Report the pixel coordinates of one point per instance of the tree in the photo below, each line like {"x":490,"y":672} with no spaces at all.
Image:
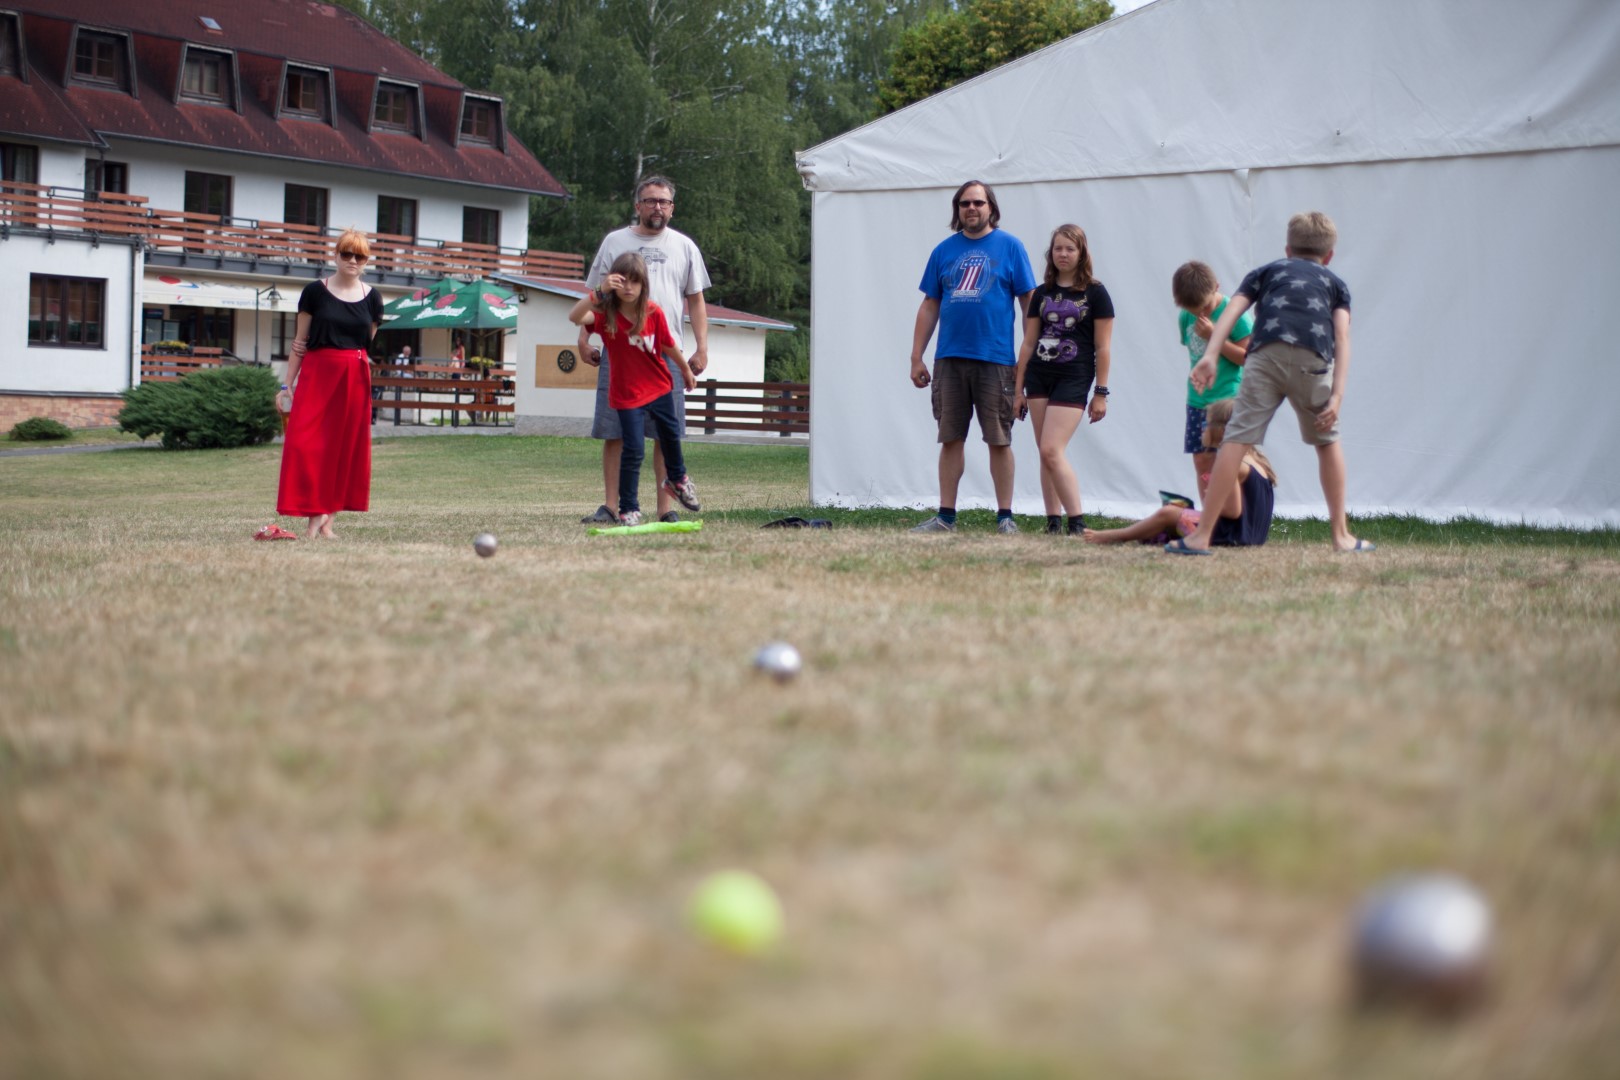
{"x":952,"y":47}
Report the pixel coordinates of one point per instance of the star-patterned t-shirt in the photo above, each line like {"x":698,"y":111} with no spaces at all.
{"x":1294,"y":301}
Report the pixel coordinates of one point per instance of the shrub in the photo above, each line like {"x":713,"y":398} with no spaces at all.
{"x":223,"y":407}
{"x":40,"y":429}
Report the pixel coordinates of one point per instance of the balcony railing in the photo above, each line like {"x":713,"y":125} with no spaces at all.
{"x":35,"y":206}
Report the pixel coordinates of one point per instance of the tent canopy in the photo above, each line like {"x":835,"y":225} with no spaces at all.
{"x":1467,"y":152}
{"x":1188,"y":86}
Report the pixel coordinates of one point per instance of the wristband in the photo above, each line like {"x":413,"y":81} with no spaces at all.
{"x":284,"y":386}
{"x":1100,"y":391}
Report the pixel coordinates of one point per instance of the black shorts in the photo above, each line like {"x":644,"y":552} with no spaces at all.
{"x":1061,"y":384}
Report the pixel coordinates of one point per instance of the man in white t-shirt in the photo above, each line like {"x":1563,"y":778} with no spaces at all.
{"x":676,"y":279}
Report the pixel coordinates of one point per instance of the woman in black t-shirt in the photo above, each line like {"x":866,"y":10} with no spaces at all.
{"x":326,"y":459}
{"x":1068,"y":338}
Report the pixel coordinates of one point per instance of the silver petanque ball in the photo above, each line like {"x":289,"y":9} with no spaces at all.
{"x":779,"y":660}
{"x":485,"y":544}
{"x":1423,"y":941}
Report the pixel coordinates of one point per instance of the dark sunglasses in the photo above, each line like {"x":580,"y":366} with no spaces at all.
{"x":965,"y":203}
{"x":355,"y":255}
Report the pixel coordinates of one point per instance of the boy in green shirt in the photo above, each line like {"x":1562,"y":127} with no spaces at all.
{"x":1198,"y":295}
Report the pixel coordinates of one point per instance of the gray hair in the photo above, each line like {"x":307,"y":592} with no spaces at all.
{"x":654,"y":181}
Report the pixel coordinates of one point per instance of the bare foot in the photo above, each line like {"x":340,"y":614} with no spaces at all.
{"x":314,"y":527}
{"x":326,"y":527}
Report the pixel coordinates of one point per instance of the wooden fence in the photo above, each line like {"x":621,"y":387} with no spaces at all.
{"x":768,"y":408}
{"x":37,"y":206}
{"x":165,"y":365}
{"x":459,"y":393}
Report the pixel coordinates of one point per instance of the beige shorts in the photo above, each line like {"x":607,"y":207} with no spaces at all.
{"x":1278,"y":372}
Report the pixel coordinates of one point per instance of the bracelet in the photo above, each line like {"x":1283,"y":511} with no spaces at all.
{"x":1100,"y":391}
{"x":284,"y":386}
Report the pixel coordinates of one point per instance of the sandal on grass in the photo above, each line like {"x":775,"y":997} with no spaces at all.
{"x":274,"y":532}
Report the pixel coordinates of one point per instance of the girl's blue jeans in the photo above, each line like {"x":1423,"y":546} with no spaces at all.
{"x":633,"y":425}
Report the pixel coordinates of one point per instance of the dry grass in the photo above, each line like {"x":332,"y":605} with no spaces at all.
{"x":378,"y":807}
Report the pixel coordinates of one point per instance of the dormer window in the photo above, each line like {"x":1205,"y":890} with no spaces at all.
{"x":397,"y":109}
{"x":101,"y":59}
{"x":307,"y":94}
{"x":10,"y":47}
{"x":481,"y":121}
{"x":207,"y":77}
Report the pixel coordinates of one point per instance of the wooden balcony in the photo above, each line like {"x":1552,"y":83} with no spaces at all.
{"x":251,"y":245}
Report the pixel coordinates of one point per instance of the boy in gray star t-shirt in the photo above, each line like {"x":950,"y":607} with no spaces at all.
{"x":1300,"y":352}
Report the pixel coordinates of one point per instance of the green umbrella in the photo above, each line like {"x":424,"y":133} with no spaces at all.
{"x":460,"y":305}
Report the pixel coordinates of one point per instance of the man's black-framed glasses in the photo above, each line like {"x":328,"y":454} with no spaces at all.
{"x":666,"y":203}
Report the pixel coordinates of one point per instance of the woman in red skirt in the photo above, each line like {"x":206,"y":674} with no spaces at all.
{"x":326,"y":459}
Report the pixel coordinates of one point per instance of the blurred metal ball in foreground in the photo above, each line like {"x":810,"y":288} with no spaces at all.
{"x":779,"y":660}
{"x":485,"y":544}
{"x":1423,"y":941}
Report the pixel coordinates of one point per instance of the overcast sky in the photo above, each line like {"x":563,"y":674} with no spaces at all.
{"x":1122,"y":6}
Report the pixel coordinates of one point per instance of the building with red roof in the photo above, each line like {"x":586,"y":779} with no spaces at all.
{"x":162,"y":162}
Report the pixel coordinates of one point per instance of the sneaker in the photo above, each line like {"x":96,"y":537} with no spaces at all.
{"x":935,"y":524}
{"x":685,"y":493}
{"x":1006,"y":526}
{"x":603,"y":516}
{"x":1053,"y":528}
{"x":629,"y":517}
{"x":669,"y":517}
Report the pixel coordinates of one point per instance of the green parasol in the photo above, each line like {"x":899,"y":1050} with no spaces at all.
{"x":451,"y":304}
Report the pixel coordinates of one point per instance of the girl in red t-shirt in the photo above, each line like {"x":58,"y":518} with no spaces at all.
{"x":635,"y":333}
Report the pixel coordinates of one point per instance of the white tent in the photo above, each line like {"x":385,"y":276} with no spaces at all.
{"x":1468,"y":151}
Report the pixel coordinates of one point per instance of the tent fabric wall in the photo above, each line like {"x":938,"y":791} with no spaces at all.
{"x":1480,"y":381}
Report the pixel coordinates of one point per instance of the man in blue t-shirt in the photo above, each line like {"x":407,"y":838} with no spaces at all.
{"x":977,"y":281}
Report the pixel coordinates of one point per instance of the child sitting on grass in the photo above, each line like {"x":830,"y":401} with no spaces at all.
{"x":1244,"y":520}
{"x":635,"y":333}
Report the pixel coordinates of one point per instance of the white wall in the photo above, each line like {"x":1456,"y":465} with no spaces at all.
{"x":736,"y":354}
{"x":52,"y":369}
{"x":259,"y":189}
{"x":1480,"y":380}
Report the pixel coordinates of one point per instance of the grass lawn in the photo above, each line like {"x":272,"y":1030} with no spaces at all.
{"x":378,"y":807}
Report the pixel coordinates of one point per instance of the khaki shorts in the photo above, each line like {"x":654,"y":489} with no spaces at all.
{"x":961,"y":386}
{"x":1278,"y":372}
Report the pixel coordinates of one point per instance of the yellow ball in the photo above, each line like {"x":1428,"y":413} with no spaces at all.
{"x":737,"y":911}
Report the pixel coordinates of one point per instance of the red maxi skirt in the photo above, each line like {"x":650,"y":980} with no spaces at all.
{"x":326,"y":459}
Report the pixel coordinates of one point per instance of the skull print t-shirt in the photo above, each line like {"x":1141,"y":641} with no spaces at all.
{"x":1068,"y":318}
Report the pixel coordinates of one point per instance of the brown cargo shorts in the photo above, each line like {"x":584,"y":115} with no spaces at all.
{"x":961,"y":386}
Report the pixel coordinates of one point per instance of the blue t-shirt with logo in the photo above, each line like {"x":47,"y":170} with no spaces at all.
{"x":1294,"y":301}
{"x":976,"y":283}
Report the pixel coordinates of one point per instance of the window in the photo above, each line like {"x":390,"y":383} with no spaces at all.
{"x":480,"y":121}
{"x":19,"y":162}
{"x":395,"y":109}
{"x":210,"y":328}
{"x":305,"y":206}
{"x":101,"y":59}
{"x":207,"y":76}
{"x":480,"y":226}
{"x":66,"y":312}
{"x":208,"y":194}
{"x":10,"y":49}
{"x":283,"y":328}
{"x":305,"y":94}
{"x":110,"y":176}
{"x":396,"y":217}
